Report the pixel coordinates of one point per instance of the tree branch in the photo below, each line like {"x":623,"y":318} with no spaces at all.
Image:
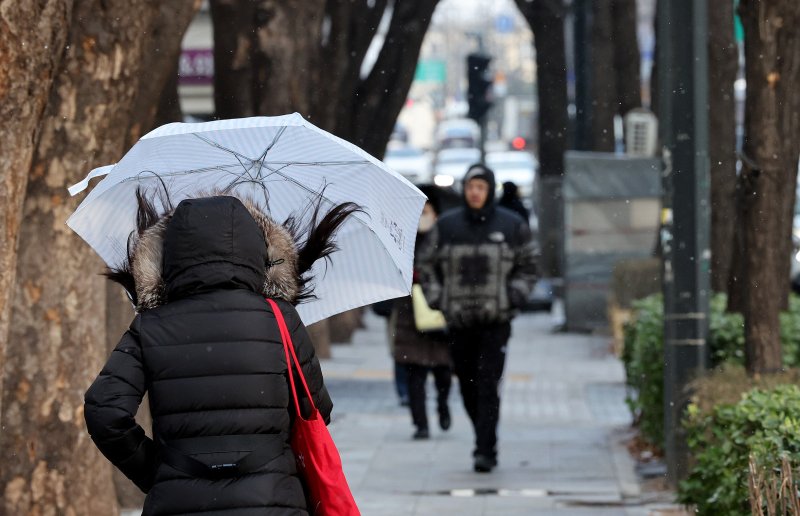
{"x":383,"y":92}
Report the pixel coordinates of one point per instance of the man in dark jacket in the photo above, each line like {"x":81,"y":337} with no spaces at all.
{"x":479,"y":269}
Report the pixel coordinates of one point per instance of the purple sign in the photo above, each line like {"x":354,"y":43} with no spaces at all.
{"x":196,"y":66}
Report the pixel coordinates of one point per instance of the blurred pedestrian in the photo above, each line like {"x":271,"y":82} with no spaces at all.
{"x":385,"y":309}
{"x":479,"y":269}
{"x":511,"y":201}
{"x":422,"y":352}
{"x":206,"y":347}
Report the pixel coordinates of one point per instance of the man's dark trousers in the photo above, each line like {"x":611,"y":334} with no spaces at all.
{"x":479,"y":355}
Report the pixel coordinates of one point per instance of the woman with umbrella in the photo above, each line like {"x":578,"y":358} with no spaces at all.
{"x":205,"y":344}
{"x":207,"y":349}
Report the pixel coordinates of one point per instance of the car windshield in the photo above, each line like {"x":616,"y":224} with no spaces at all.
{"x":405,"y":152}
{"x":510,"y":160}
{"x":459,"y":156}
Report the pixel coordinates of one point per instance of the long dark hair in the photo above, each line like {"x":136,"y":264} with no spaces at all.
{"x":147,"y":216}
{"x":318,"y":239}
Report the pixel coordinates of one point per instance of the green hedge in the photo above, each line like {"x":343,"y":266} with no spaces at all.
{"x":644,"y":351}
{"x":643,"y":356}
{"x":764,"y":423}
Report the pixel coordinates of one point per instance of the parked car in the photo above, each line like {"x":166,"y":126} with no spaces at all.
{"x":519,"y":167}
{"x":452,"y":164}
{"x":458,"y":132}
{"x":410,"y":162}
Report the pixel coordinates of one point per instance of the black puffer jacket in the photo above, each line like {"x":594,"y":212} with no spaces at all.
{"x":478,"y":266}
{"x":212,"y":361}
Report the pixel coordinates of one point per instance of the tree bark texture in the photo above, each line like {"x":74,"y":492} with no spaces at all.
{"x":723,"y":58}
{"x":57,"y":340}
{"x":169,"y":103}
{"x":234,"y":41}
{"x":604,"y":80}
{"x":546,"y":20}
{"x":287,"y":33}
{"x":352,"y":27}
{"x":627,"y":58}
{"x":380,"y":97}
{"x":26,"y":75}
{"x":161,"y":52}
{"x":280,"y":57}
{"x":265,"y":55}
{"x":771,"y":148}
{"x":616,"y":80}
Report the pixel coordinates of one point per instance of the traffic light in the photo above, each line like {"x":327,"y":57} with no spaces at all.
{"x":480,"y":83}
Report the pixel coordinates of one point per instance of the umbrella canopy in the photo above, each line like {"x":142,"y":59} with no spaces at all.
{"x":286,"y":162}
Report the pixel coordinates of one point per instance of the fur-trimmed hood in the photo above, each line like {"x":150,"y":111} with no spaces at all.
{"x":276,"y":269}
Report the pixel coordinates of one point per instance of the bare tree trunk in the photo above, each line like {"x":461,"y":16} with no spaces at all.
{"x":627,"y":58}
{"x":737,"y":280}
{"x":234,"y":41}
{"x":25,"y":81}
{"x":57,"y":340}
{"x":352,"y":27}
{"x":288,"y":33}
{"x":616,"y":80}
{"x":547,"y":22}
{"x":381,"y":96}
{"x":604,"y":76}
{"x":723,"y":60}
{"x":169,"y":103}
{"x":771,"y":148}
{"x":161,"y":52}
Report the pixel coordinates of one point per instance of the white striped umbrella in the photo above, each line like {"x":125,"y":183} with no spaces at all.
{"x":287,"y":160}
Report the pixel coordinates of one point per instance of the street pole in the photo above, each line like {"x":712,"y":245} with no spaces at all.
{"x":583,"y":73}
{"x":482,"y":121}
{"x":683,"y":107}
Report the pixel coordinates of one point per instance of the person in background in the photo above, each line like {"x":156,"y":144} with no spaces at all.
{"x":422,"y":353}
{"x":479,"y":268}
{"x":511,"y":201}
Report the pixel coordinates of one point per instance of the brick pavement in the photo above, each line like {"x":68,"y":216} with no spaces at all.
{"x":562,"y":423}
{"x":562,"y":420}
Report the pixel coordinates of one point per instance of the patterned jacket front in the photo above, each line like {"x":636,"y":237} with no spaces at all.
{"x":478,"y":267}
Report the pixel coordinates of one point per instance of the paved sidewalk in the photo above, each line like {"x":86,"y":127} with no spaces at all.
{"x":562,"y":420}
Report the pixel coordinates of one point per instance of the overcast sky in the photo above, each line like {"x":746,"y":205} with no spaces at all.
{"x":472,"y":10}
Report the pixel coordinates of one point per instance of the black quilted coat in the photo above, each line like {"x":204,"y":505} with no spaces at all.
{"x":206,"y":348}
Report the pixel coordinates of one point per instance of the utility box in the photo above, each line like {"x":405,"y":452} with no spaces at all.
{"x":641,"y":133}
{"x":611,"y":213}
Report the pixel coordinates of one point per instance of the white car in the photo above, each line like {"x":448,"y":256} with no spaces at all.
{"x":519,"y":167}
{"x":410,"y":162}
{"x":452,"y":165}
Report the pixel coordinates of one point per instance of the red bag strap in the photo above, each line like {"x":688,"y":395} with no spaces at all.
{"x":288,"y":348}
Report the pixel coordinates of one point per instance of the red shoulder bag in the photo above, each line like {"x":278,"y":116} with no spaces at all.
{"x":318,"y":460}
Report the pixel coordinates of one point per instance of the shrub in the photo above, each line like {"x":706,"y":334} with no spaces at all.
{"x":725,"y":333}
{"x":723,"y":435}
{"x":644,"y":350}
{"x":643,"y":357}
{"x":790,"y":333}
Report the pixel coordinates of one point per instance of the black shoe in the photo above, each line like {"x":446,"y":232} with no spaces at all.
{"x":484,"y":464}
{"x":444,"y":418}
{"x":421,"y":433}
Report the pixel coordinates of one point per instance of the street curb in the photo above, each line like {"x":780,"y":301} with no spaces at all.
{"x":624,"y":466}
